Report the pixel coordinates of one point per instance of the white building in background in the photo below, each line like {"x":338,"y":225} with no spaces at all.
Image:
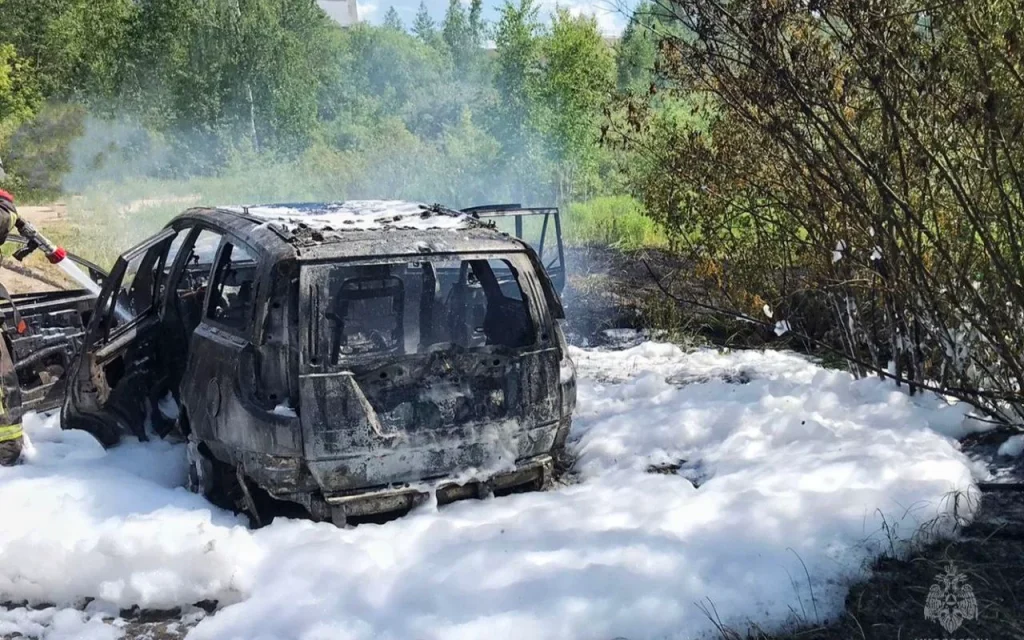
{"x":344,"y":12}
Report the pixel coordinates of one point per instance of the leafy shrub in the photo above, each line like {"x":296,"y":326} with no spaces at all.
{"x":617,"y":221}
{"x":865,"y":158}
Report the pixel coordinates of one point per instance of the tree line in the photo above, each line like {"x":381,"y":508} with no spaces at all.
{"x":178,"y":88}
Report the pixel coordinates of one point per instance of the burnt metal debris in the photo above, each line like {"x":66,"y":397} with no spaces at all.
{"x":54,"y":328}
{"x":339,"y":360}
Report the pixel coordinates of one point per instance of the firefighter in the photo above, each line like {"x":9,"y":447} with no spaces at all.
{"x":11,"y":434}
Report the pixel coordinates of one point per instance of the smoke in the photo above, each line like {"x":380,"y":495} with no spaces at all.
{"x":114,"y":150}
{"x":393,"y":122}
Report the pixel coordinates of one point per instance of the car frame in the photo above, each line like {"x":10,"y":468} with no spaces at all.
{"x":43,"y":332}
{"x":273,"y":429}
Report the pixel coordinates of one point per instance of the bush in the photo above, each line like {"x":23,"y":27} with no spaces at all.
{"x":865,"y":158}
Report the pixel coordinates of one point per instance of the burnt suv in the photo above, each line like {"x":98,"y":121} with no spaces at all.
{"x":349,"y":358}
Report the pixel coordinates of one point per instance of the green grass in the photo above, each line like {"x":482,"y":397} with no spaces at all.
{"x":616,"y":221}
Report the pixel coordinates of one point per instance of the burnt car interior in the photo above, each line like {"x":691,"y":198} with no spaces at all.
{"x":191,"y":286}
{"x":55,"y":318}
{"x":119,"y":338}
{"x":232,"y":298}
{"x":406,"y":308}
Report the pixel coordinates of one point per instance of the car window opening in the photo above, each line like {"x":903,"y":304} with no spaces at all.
{"x":232,"y":299}
{"x":418,"y":307}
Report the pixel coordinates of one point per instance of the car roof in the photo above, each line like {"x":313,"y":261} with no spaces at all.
{"x":316,"y":231}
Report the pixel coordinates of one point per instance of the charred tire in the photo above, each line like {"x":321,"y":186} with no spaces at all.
{"x":565,"y":460}
{"x":210,"y":477}
{"x":129,"y":402}
{"x":10,"y":452}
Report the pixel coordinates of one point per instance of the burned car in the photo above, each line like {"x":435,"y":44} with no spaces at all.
{"x":349,"y":359}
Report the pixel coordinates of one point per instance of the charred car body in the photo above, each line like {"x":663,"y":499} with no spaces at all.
{"x":342,"y":357}
{"x":44,"y":332}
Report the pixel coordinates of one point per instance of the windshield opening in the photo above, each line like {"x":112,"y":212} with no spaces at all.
{"x":406,"y":308}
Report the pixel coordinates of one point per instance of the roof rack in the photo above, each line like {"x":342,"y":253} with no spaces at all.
{"x":491,"y":208}
{"x":501,"y":210}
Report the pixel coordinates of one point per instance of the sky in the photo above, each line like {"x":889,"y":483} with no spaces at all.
{"x":611,"y":14}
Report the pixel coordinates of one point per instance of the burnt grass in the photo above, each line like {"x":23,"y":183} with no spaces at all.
{"x":609,"y":289}
{"x":891,"y":604}
{"x":612,"y":289}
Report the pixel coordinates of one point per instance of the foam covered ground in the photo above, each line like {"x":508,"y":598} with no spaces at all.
{"x":776,"y":479}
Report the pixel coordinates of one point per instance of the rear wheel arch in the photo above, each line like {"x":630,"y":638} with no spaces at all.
{"x":102,"y":426}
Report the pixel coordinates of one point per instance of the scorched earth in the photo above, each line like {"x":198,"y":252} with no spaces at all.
{"x":709,"y":488}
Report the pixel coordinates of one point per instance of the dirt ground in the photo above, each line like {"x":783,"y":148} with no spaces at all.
{"x":45,"y":215}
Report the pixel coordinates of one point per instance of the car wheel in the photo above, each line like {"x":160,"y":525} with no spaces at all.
{"x":216,"y":481}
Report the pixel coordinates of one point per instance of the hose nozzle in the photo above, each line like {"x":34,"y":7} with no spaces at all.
{"x":36,"y":240}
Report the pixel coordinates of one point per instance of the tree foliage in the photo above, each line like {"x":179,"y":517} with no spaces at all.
{"x":456,"y":35}
{"x":211,"y":82}
{"x":578,"y":79}
{"x":74,"y":46}
{"x":517,"y":81}
{"x":856,"y":158}
{"x":392,"y":21}
{"x":18,"y":94}
{"x":477,"y":26}
{"x":424,"y":27}
{"x":638,"y":49}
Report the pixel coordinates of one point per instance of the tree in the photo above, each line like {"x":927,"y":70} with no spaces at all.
{"x":392,"y":21}
{"x":424,"y":27}
{"x":19,"y":100}
{"x":456,"y":34}
{"x":19,"y":97}
{"x":856,"y":166}
{"x":37,"y":153}
{"x":470,"y":163}
{"x":515,"y":118}
{"x":212,"y":72}
{"x":76,"y":46}
{"x":477,"y":28}
{"x":578,"y":78}
{"x":638,"y":50}
{"x":394,"y":75}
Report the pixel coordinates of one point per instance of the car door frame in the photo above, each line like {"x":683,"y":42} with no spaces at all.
{"x":197,"y":227}
{"x":555,"y":268}
{"x":216,"y":392}
{"x":103,"y":343}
